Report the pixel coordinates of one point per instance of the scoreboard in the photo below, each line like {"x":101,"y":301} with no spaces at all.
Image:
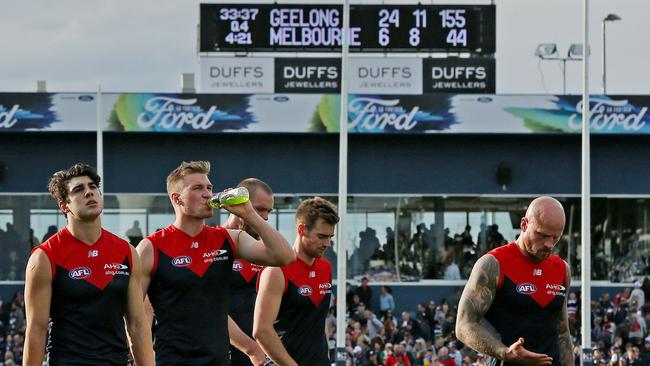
{"x":373,"y":28}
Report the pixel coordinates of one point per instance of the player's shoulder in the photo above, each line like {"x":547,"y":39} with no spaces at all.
{"x":557,"y":260}
{"x":215,"y":229}
{"x":160,"y":234}
{"x":323,"y":263}
{"x":56,"y":241}
{"x":111,"y":238}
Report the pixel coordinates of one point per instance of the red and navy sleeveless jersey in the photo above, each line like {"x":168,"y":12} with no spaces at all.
{"x":529,"y":300}
{"x":89,"y":299}
{"x":305,"y":304}
{"x":242,"y":302}
{"x":189,"y":287}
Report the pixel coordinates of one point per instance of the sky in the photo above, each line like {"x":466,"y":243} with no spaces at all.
{"x":145,"y":45}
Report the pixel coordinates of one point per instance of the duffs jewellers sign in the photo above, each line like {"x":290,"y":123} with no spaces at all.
{"x":459,"y":75}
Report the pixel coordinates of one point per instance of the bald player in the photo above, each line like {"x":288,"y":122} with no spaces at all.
{"x":514,"y":306}
{"x":241,"y":302}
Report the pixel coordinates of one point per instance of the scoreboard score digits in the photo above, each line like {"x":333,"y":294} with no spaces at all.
{"x":373,"y":28}
{"x":443,"y":28}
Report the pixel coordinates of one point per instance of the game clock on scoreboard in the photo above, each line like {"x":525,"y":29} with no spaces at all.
{"x":373,"y":28}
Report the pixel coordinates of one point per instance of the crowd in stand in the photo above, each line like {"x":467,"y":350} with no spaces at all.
{"x":425,"y":336}
{"x":12,"y":331}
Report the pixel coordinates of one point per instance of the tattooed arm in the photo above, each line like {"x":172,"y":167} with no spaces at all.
{"x":566,"y":346}
{"x":475,"y":302}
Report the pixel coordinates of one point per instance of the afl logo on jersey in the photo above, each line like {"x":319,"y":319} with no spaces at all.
{"x":305,"y":290}
{"x":80,"y":273}
{"x":526,"y":289}
{"x":237,"y":266}
{"x":182,"y":261}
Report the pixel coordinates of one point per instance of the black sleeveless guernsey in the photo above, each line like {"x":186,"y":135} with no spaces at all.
{"x":529,"y":300}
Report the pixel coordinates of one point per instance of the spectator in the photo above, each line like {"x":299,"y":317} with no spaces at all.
{"x":637,"y":294}
{"x":406,"y":324}
{"x":444,"y":359}
{"x":373,"y":324}
{"x":388,"y":350}
{"x":134,"y":234}
{"x":386,"y":301}
{"x":51,"y":230}
{"x":452,"y":271}
{"x":645,"y":354}
{"x":359,"y":357}
{"x":423,"y":319}
{"x":398,"y":357}
{"x":572,"y":305}
{"x":365,"y":292}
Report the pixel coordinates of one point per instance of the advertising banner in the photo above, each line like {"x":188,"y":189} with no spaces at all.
{"x":48,"y":112}
{"x":459,"y":75}
{"x":385,"y":75}
{"x":236,"y":75}
{"x":311,"y":112}
{"x":307,"y":75}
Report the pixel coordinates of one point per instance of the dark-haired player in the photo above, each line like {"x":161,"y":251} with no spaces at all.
{"x":86,"y":281}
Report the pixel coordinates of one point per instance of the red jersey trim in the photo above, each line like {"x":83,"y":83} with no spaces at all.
{"x":235,"y":250}
{"x":48,"y":254}
{"x":154,"y":266}
{"x":259,"y":276}
{"x":497,"y":253}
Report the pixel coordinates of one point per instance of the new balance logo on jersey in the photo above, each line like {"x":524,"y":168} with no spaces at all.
{"x":537,"y":272}
{"x":93,"y":253}
{"x":312,"y":274}
{"x":194,"y":245}
{"x":182,"y":261}
{"x":305,"y":290}
{"x":526,"y":289}
{"x":215,"y":255}
{"x":79,"y":273}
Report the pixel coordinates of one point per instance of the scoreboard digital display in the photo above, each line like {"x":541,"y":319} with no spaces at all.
{"x":424,"y":28}
{"x":373,"y":28}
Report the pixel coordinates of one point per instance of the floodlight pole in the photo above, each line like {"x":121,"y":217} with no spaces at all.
{"x":563,"y":75}
{"x":585,"y":232}
{"x":604,"y":40}
{"x":563,"y":60}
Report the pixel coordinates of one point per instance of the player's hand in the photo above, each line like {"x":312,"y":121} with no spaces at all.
{"x":243,"y":210}
{"x":516,"y":353}
{"x":257,"y":356}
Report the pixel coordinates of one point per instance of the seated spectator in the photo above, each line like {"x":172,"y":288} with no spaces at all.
{"x":388,"y":349}
{"x":444,"y":359}
{"x":398,"y":357}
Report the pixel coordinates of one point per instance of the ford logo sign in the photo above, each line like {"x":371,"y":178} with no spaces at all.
{"x":526,"y":289}
{"x":281,"y":98}
{"x":484,"y":99}
{"x":86,"y":98}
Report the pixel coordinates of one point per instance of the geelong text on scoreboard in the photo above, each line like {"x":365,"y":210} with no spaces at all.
{"x":373,"y":28}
